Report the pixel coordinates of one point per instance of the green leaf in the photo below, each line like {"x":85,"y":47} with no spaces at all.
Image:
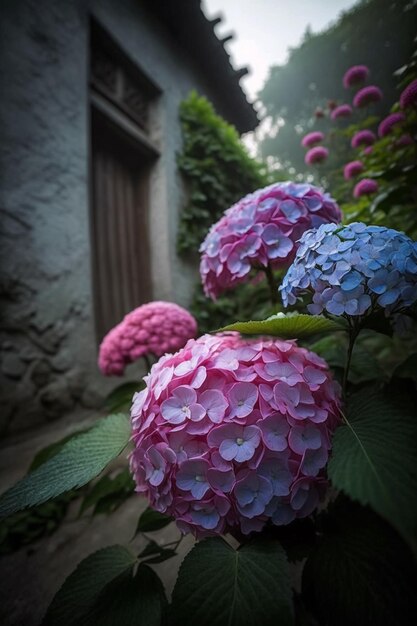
{"x":374,"y":459}
{"x":154,"y":553}
{"x":49,"y":451}
{"x":109,"y":493}
{"x":121,"y":397}
{"x":79,"y":460}
{"x":290,"y":326}
{"x":130,"y":600}
{"x":152,"y":520}
{"x":407,"y":369}
{"x":218,"y":585}
{"x":82,"y":588}
{"x":361,"y":572}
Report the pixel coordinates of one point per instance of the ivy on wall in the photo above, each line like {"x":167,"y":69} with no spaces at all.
{"x":216,"y":167}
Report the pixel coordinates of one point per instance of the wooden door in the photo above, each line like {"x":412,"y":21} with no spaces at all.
{"x":119,"y":225}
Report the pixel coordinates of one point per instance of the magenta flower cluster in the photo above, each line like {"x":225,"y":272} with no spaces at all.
{"x":311,"y":139}
{"x":341,"y":111}
{"x":229,"y":434}
{"x":352,"y":169}
{"x":363,"y":138}
{"x":366,"y":96}
{"x":355,"y":75}
{"x":365,"y":187}
{"x":154,"y":328}
{"x":385,"y":127}
{"x":261,"y":230}
{"x":316,"y":155}
{"x":408,"y":96}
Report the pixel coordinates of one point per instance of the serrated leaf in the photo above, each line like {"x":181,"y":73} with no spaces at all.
{"x":218,"y":585}
{"x":360,"y":572}
{"x":82,"y":588}
{"x":374,"y":459}
{"x":151,"y":520}
{"x":130,"y":600}
{"x":50,"y":451}
{"x":289,"y":326}
{"x":79,"y":460}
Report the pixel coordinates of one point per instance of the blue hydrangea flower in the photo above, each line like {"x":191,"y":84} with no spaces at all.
{"x":353,"y":270}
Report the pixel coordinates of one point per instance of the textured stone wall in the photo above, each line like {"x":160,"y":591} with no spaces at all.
{"x":48,"y":347}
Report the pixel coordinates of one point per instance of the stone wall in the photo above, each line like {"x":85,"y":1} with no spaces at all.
{"x":48,"y":347}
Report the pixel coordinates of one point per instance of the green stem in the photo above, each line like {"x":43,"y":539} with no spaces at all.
{"x":271,"y":283}
{"x":353,"y":333}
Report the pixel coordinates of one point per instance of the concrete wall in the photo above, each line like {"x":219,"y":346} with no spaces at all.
{"x":48,"y":348}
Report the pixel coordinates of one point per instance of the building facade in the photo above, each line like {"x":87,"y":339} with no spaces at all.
{"x":90,"y":190}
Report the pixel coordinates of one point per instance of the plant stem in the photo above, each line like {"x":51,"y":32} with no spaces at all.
{"x":353,"y":333}
{"x":147,"y":361}
{"x":272,"y":286}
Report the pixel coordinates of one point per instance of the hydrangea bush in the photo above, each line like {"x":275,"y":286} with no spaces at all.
{"x":229,"y":434}
{"x":149,"y":330}
{"x":261,"y":232}
{"x":267,"y":442}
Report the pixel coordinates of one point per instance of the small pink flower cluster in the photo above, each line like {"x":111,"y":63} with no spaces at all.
{"x":261,"y":230}
{"x":385,"y":127}
{"x":365,"y":187}
{"x":363,"y":138}
{"x":342,"y":111}
{"x":316,"y":155}
{"x":229,"y":434}
{"x":311,"y":139}
{"x":153,"y":328}
{"x":355,"y":75}
{"x":367,"y":95}
{"x":408,"y":96}
{"x":352,"y":169}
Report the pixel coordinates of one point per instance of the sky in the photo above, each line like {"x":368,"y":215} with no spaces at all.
{"x":265,"y":29}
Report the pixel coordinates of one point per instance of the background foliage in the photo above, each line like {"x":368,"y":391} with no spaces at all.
{"x":366,"y":34}
{"x":216,"y":167}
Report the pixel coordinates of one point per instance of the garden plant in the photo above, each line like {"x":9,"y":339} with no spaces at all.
{"x":285,"y":445}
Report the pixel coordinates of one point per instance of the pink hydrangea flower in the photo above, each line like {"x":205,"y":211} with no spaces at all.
{"x":352,"y":169}
{"x":367,"y":95}
{"x":363,"y":138}
{"x":408,"y":96}
{"x":343,"y":110}
{"x":311,"y":139}
{"x":231,"y":433}
{"x":404,"y":140}
{"x":388,"y":123}
{"x":316,"y":155}
{"x":153,"y":328}
{"x":365,"y":187}
{"x":355,"y":75}
{"x":261,"y":230}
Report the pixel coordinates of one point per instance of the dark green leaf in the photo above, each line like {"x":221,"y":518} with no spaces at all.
{"x":407,"y":369}
{"x":130,"y":600}
{"x":121,"y":397}
{"x":360,"y":573}
{"x":152,"y":520}
{"x":79,"y":460}
{"x":82,"y":588}
{"x":374,"y":459}
{"x":290,"y":326}
{"x":153,"y":553}
{"x":218,"y":585}
{"x":109,"y":493}
{"x":47,"y":453}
